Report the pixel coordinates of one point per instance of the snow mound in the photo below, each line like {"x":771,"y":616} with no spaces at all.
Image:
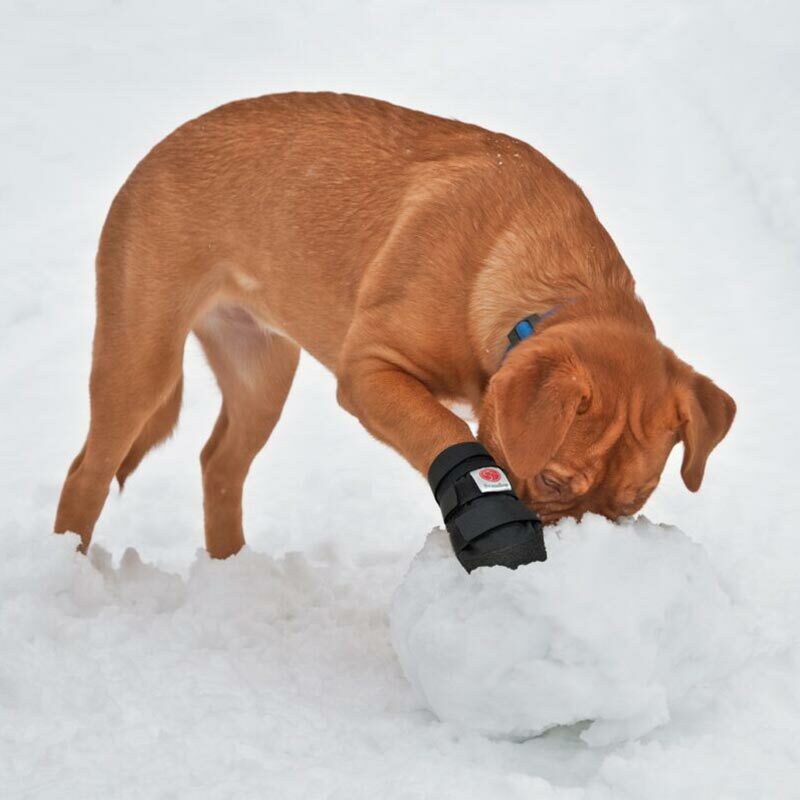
{"x":624,"y":626}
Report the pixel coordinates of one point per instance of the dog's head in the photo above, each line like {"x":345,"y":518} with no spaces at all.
{"x":585,"y":414}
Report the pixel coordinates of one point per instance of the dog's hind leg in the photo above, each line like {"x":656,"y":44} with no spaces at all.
{"x":134,"y":387}
{"x":121,"y":407}
{"x":124,"y":396}
{"x":156,"y":430}
{"x":254,"y":369}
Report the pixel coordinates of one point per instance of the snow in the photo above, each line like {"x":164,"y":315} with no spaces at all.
{"x":146,"y":670}
{"x":625,"y":626}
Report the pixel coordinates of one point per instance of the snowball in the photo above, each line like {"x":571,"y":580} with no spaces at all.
{"x":624,"y":626}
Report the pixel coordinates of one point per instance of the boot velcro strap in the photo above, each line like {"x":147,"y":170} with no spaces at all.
{"x":487,"y":513}
{"x":463,"y":491}
{"x":449,"y":501}
{"x":464,"y":456}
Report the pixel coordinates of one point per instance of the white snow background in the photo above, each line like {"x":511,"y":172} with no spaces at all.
{"x":148,"y":671}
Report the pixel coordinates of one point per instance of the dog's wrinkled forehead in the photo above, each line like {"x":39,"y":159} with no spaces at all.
{"x":622,"y":440}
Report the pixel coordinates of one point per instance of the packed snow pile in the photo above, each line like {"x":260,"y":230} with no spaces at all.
{"x":624,"y":626}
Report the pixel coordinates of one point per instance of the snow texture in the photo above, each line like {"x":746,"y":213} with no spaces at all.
{"x":148,"y":671}
{"x":624,"y":626}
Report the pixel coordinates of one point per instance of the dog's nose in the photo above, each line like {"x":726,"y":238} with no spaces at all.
{"x":580,"y":484}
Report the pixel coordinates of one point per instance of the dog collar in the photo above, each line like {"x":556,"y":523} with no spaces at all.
{"x":525,"y":328}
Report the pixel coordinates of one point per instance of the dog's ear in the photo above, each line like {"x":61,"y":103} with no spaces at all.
{"x":536,"y":401}
{"x":705,"y":414}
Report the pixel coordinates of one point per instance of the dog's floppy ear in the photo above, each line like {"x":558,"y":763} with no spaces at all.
{"x":536,"y":401}
{"x":705,"y":414}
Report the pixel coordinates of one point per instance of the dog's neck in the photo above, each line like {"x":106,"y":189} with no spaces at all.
{"x":491,"y":329}
{"x":573,"y":266}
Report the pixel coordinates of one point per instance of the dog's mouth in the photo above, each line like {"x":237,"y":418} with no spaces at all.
{"x":549,"y":511}
{"x":549,"y":516}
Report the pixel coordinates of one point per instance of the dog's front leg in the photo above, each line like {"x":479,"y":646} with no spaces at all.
{"x":400,"y":410}
{"x":488,"y":524}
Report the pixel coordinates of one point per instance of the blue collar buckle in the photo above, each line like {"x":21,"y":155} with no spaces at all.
{"x":525,"y":328}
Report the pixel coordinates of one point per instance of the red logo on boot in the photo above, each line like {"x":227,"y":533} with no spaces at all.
{"x":490,"y":475}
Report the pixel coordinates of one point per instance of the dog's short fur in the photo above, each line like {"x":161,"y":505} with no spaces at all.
{"x":398,"y":249}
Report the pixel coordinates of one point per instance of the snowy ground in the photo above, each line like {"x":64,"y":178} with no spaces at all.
{"x":153,"y":672}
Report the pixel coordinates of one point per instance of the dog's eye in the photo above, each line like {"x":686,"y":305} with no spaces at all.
{"x":551,"y":482}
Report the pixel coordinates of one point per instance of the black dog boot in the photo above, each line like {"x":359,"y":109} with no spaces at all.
{"x":487,"y":523}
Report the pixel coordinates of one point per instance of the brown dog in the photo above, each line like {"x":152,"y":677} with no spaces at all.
{"x":398,"y":249}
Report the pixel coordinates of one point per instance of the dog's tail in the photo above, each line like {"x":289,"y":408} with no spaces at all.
{"x":155,"y":431}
